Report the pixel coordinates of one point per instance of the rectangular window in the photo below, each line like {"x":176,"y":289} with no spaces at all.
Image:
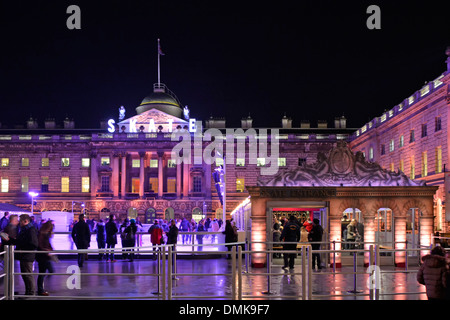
{"x":5,"y":162}
{"x":282,"y":162}
{"x":260,"y":162}
{"x":437,"y":124}
{"x":439,"y":159}
{"x":412,"y":137}
{"x":154,"y":185}
{"x":171,"y":163}
{"x":153,"y":163}
{"x":402,"y":165}
{"x":392,"y":167}
{"x":371,"y":153}
{"x":44,"y":184}
{"x":135,"y":185}
{"x":383,"y":151}
{"x":197,"y":184}
{"x":65,"y":162}
{"x":401,"y":141}
{"x":219,"y":162}
{"x":24,"y":184}
{"x":135,"y":163}
{"x":171,"y":185}
{"x":301,"y":161}
{"x":240,"y":185}
{"x":105,"y":161}
{"x":25,"y":162}
{"x":85,"y":184}
{"x":240,"y":162}
{"x":5,"y":185}
{"x":391,"y":145}
{"x":424,"y":130}
{"x":424,"y":164}
{"x":105,"y":184}
{"x":45,"y":162}
{"x":65,"y":184}
{"x":85,"y":162}
{"x":412,"y":173}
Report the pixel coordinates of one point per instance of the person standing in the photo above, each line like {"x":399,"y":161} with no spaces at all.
{"x":315,"y":236}
{"x":44,"y":259}
{"x":9,"y":233}
{"x":351,"y":234}
{"x":130,"y":238}
{"x":27,"y":239}
{"x":101,"y":237}
{"x":81,"y":235}
{"x":433,"y":274}
{"x":230,"y":235}
{"x":155,"y":236}
{"x":172,"y":235}
{"x":111,"y":237}
{"x":4,"y":221}
{"x":184,"y":227}
{"x":200,"y":228}
{"x":291,"y":233}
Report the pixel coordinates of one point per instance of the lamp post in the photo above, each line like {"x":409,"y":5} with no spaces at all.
{"x":32,"y":195}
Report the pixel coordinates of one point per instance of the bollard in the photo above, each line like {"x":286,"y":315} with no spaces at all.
{"x":233,"y":273}
{"x":164,"y":273}
{"x":158,"y":269}
{"x":169,"y":275}
{"x":239,"y":273}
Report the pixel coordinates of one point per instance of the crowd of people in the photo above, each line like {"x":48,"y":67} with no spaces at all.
{"x":290,"y":233}
{"x":25,"y":233}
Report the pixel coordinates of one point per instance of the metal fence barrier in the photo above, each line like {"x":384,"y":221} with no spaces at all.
{"x":167,"y":273}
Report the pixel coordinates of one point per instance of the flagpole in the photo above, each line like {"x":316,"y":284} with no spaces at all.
{"x":158,"y":65}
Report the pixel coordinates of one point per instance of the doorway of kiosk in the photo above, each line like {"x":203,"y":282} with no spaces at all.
{"x":305,"y":212}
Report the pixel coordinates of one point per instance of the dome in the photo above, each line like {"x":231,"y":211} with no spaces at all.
{"x":161,"y":99}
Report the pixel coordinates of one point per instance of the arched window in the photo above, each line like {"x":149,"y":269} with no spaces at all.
{"x":197,"y":214}
{"x":132,"y":213}
{"x":169,"y":214}
{"x":150,"y":216}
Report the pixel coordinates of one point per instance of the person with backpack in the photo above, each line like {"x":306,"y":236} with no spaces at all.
{"x":130,"y":238}
{"x":156,"y":234}
{"x":81,"y":235}
{"x":111,"y":237}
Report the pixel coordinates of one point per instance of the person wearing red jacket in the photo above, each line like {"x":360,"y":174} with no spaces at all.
{"x":155,"y":235}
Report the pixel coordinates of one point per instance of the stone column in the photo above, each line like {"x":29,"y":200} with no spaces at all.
{"x":369,"y":234}
{"x":141,"y":174}
{"x":115,"y":175}
{"x":258,"y":232}
{"x":160,"y":174}
{"x":179,"y":180}
{"x":123,"y":182}
{"x":399,"y":239}
{"x":208,"y":176}
{"x":186,"y":181}
{"x":426,"y":232}
{"x":94,"y":175}
{"x":335,"y":235}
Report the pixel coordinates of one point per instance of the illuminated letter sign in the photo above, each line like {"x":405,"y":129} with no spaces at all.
{"x":192,"y":127}
{"x":111,"y":123}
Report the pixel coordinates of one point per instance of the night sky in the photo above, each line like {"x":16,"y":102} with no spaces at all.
{"x":312,"y":60}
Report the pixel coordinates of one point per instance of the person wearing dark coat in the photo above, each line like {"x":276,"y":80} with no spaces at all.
{"x":230,"y":235}
{"x":291,"y":233}
{"x":81,"y":235}
{"x":101,"y":237}
{"x":172,"y":235}
{"x":44,"y":259}
{"x":130,"y":238}
{"x":433,"y":274}
{"x":111,"y":237}
{"x":27,"y":239}
{"x":314,"y":236}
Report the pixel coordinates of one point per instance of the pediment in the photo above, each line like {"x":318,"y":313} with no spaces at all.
{"x":339,"y":167}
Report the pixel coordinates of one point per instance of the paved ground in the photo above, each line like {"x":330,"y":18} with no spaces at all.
{"x":134,"y":280}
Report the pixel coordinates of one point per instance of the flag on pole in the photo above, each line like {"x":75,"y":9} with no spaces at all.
{"x":159,"y":49}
